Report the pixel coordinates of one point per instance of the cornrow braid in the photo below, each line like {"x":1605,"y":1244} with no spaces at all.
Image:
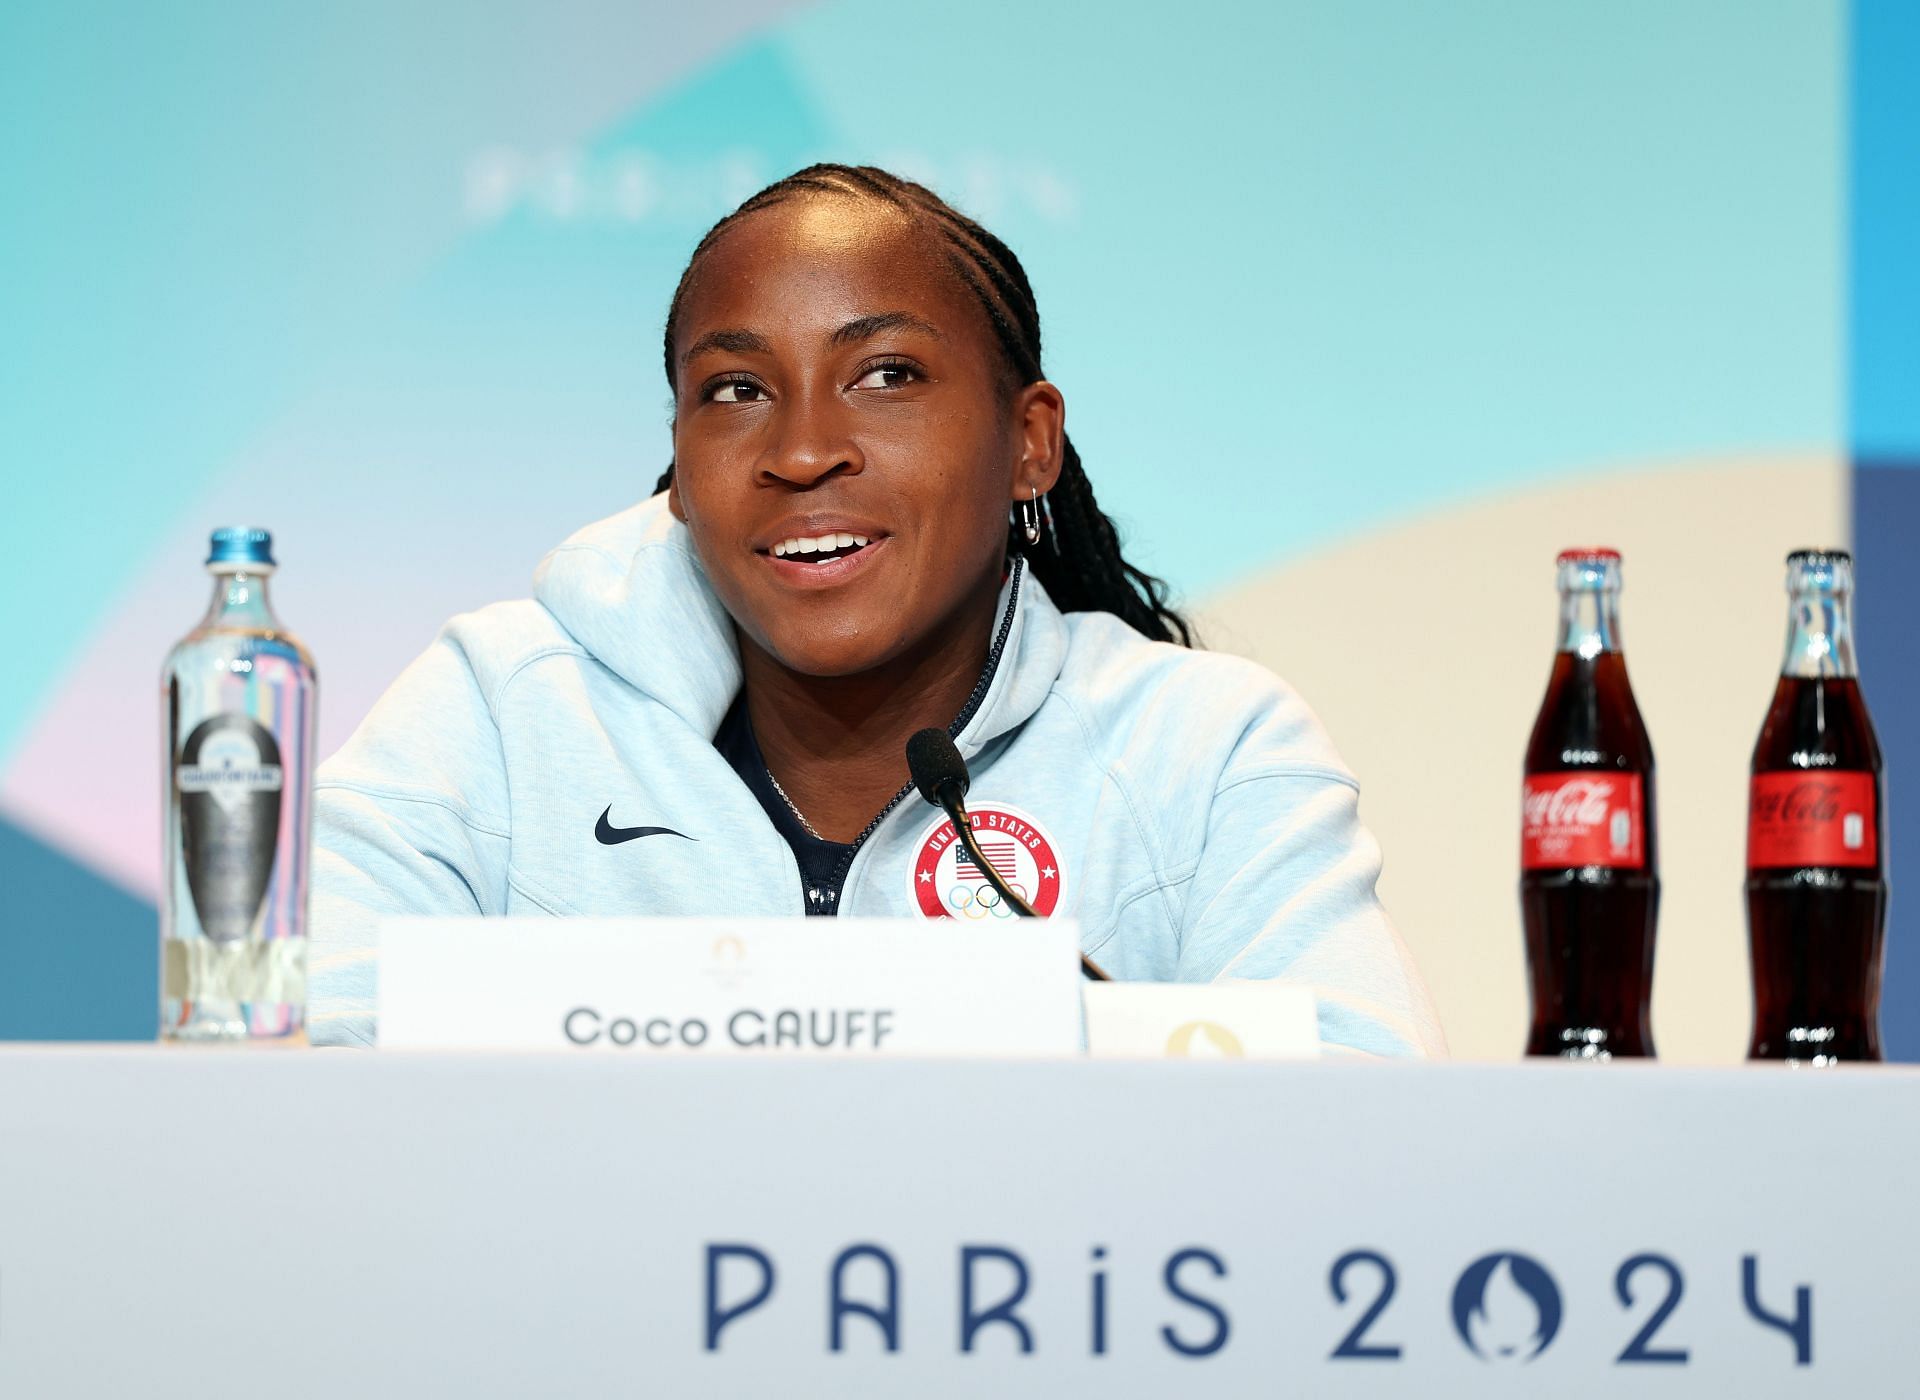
{"x":1078,"y":558}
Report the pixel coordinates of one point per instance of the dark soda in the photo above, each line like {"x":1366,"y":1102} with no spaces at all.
{"x":1816,"y":837}
{"x":1589,"y":883}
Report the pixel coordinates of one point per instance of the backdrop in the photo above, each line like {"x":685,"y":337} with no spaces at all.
{"x":1362,"y":310}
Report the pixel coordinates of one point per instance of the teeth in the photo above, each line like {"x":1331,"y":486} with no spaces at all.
{"x":802,"y":544}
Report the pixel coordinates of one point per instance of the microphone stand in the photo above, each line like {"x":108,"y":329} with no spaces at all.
{"x":956,"y":810}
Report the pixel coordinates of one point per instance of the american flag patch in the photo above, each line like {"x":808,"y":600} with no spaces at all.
{"x":1001,"y":855}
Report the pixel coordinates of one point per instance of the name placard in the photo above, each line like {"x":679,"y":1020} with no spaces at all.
{"x":1202,"y":1020}
{"x":730,"y":986}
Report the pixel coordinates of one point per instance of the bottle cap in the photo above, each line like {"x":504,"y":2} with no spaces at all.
{"x":1820,"y":571}
{"x":235,"y":545}
{"x":1588,"y":556}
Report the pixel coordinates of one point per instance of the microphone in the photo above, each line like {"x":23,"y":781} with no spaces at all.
{"x":940,"y":774}
{"x":937,"y":767}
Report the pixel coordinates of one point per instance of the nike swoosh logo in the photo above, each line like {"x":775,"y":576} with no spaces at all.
{"x":607,"y":834}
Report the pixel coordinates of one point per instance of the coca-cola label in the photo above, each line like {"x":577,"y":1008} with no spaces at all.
{"x":1582,"y":818}
{"x":1811,"y":818}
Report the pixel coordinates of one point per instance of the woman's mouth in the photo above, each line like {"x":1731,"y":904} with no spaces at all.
{"x":826,"y":558}
{"x":819,"y":548}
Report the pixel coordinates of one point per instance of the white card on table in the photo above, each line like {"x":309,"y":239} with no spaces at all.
{"x":731,"y":986}
{"x":1202,"y":1020}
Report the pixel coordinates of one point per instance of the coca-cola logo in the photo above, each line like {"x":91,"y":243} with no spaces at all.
{"x":1584,"y":802}
{"x":1809,"y":819}
{"x":1582,"y":818}
{"x":1809,"y":802}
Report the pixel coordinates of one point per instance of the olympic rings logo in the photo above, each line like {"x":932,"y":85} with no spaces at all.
{"x":982,"y":901}
{"x":945,"y":884}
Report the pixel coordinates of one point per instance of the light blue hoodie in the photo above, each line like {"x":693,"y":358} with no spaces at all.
{"x":1184,"y":806}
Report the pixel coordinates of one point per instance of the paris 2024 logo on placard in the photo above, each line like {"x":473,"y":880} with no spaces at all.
{"x":1506,"y":1307}
{"x":947,"y":884}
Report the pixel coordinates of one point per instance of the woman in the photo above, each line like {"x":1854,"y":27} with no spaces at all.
{"x":874,"y":523}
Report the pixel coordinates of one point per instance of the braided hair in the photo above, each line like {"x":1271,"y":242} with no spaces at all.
{"x":1078,"y":557}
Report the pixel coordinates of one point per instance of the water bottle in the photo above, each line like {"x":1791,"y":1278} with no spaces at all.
{"x":238,"y":698}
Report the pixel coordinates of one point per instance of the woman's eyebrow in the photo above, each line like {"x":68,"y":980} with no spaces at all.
{"x":868,"y":326}
{"x":737,"y":342}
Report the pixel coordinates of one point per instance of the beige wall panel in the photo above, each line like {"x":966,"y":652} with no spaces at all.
{"x":1425,"y":649}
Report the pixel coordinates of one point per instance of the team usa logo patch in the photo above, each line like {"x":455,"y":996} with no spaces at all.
{"x":946,"y":884}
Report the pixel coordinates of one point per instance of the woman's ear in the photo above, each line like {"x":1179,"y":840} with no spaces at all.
{"x":1040,"y":420}
{"x":673,"y":496}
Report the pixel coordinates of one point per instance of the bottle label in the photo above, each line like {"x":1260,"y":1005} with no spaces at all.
{"x":1811,"y":818}
{"x":1582,"y":818}
{"x":229,"y":781}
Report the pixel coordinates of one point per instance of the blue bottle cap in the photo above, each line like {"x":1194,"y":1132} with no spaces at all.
{"x":233,"y":545}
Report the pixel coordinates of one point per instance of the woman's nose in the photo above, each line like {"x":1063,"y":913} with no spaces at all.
{"x":813,"y":442}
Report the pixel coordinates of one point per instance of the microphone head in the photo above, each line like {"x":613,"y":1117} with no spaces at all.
{"x":934,"y":763}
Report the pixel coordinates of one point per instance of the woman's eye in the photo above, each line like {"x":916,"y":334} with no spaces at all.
{"x":887,"y":377}
{"x":735,"y":391}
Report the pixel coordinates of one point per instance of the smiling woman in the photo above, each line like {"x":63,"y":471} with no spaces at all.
{"x":874,"y":523}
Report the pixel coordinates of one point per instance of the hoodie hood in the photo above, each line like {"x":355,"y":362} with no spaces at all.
{"x":631,"y":590}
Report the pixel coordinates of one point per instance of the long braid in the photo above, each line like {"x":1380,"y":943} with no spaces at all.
{"x":1078,"y":558}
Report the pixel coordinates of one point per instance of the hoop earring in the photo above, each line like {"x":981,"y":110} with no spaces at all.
{"x":1030,"y":517}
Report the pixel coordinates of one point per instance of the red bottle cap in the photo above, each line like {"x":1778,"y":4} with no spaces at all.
{"x":1582,"y":556}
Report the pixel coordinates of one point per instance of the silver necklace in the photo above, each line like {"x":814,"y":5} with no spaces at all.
{"x":798,"y":815}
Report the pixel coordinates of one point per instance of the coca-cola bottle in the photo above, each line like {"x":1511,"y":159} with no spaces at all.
{"x":1589,"y":888}
{"x":1816,"y":839}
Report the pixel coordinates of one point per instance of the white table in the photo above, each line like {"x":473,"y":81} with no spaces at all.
{"x":182,"y":1222}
